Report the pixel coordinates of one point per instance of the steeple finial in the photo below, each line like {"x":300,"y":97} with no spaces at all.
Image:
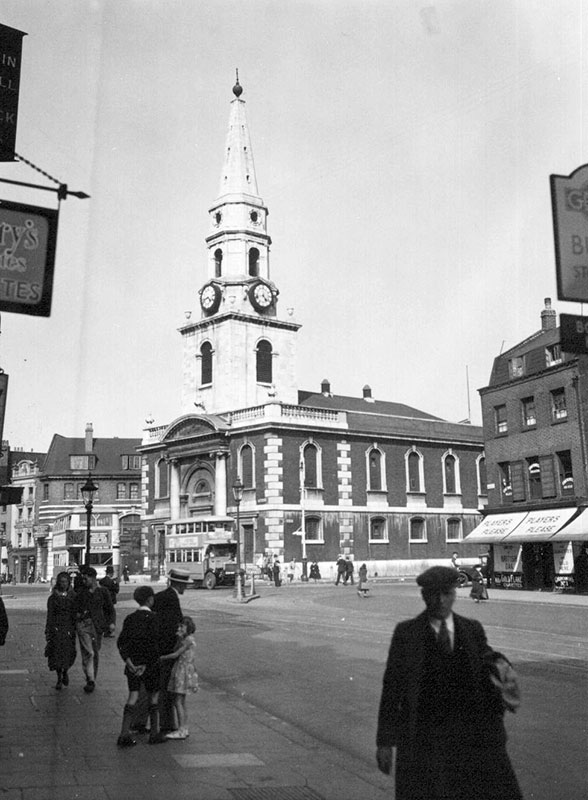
{"x":237,"y":88}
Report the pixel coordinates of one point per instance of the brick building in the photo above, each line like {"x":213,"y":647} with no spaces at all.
{"x":323,"y":474}
{"x":534,"y":418}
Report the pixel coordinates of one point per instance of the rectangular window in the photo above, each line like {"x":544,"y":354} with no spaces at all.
{"x":559,"y":409}
{"x":534,"y":478}
{"x":133,"y":491}
{"x":68,"y":491}
{"x":453,"y":530}
{"x":378,"y":530}
{"x":566,"y":475}
{"x":121,"y":491}
{"x":553,"y":355}
{"x":45,"y":491}
{"x":517,"y":471}
{"x":501,"y":423}
{"x":312,"y":529}
{"x":528,"y":411}
{"x":516,"y":367}
{"x":131,"y":462}
{"x":417,"y":530}
{"x":82,"y":462}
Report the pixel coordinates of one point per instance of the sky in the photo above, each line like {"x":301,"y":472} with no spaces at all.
{"x":403,"y":149}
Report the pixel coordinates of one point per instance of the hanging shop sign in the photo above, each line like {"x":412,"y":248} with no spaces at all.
{"x":28,"y":237}
{"x":10,"y":61}
{"x":569,"y":200}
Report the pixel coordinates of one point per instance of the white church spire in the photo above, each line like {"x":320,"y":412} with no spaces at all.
{"x":238,"y":175}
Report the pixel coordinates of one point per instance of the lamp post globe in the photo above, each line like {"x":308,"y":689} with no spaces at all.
{"x":88,"y":490}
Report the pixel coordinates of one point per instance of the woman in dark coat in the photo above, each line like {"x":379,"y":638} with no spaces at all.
{"x":479,"y":591}
{"x":60,"y":629}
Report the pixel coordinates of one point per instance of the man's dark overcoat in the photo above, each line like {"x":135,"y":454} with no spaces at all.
{"x":443,"y":716}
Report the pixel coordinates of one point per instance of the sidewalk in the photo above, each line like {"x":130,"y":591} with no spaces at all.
{"x":62,"y":745}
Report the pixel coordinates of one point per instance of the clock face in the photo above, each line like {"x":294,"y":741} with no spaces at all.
{"x":210,"y":297}
{"x":262,"y":295}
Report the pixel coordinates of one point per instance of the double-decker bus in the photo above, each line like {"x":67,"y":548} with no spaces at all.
{"x":203,"y":547}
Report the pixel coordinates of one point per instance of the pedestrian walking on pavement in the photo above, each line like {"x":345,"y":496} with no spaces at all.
{"x":315,"y":573}
{"x":94,"y":616}
{"x":110,"y":582}
{"x":341,"y":570}
{"x":183,"y":678}
{"x":362,"y":589}
{"x":60,"y":629}
{"x":348,"y":571}
{"x":125,"y":574}
{"x":276,"y":572}
{"x":4,"y":626}
{"x":479,"y":591}
{"x":438,"y":666}
{"x":139,"y":649}
{"x":291,"y":570}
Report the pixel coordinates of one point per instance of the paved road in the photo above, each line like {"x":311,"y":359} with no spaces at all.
{"x":305,"y":663}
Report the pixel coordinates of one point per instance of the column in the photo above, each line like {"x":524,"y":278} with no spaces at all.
{"x":116,"y":545}
{"x":220,"y":481}
{"x":174,"y":488}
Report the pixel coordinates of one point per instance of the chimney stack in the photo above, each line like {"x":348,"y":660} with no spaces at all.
{"x":326,"y":387}
{"x":548,"y":316}
{"x":89,"y":437}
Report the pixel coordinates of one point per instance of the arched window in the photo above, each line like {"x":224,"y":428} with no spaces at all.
{"x":450,"y":474}
{"x":218,"y":263}
{"x":310,"y":455}
{"x":375,"y":470}
{"x":162,"y":478}
{"x":264,"y":362}
{"x":254,"y":262}
{"x":482,"y":480}
{"x":206,"y":363}
{"x":247,"y":466}
{"x":413,"y":466}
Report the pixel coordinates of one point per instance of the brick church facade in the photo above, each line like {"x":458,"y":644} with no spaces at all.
{"x":323,"y":474}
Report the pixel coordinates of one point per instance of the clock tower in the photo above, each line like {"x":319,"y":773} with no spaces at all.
{"x":239,"y":353}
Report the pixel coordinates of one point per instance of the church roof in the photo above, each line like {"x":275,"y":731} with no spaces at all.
{"x":362,"y":405}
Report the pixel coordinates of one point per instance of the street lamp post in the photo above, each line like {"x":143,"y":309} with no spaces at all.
{"x":88,"y":490}
{"x":238,"y":495}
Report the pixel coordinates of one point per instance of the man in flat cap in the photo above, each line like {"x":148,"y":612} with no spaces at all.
{"x":439,"y":710}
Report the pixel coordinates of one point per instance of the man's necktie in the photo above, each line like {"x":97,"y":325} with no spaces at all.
{"x":443,"y":638}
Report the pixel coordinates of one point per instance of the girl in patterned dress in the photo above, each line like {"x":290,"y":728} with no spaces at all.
{"x":183,"y":678}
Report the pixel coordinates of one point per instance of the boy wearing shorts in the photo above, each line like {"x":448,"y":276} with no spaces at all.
{"x":138,"y":646}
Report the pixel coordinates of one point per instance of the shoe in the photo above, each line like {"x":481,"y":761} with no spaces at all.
{"x":179,"y":734}
{"x":157,"y":738}
{"x":58,"y":685}
{"x":89,"y":687}
{"x":126,"y":740}
{"x":139,"y":729}
{"x":65,"y":679}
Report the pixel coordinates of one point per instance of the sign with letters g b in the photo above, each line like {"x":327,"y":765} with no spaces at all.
{"x":569,"y":200}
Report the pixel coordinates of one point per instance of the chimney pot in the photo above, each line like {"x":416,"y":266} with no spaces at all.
{"x":89,"y":437}
{"x":548,"y":316}
{"x":326,"y":387}
{"x":367,"y":391}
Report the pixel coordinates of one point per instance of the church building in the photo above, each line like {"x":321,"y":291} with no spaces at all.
{"x":323,"y":475}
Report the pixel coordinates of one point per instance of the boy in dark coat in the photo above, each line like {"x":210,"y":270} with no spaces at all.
{"x":139,"y":649}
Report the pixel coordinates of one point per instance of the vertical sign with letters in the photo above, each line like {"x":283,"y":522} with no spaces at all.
{"x":10,"y":60}
{"x":3,"y":393}
{"x":569,"y":199}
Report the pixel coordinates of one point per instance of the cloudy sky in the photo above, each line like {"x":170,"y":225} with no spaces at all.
{"x":403,"y":149}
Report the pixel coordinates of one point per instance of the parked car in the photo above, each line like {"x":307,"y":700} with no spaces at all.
{"x":467,"y":572}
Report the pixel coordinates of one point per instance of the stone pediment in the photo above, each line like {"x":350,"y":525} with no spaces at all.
{"x":194,"y":425}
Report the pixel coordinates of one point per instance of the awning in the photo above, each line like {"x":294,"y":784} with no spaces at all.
{"x":495,"y":528}
{"x":539,"y":526}
{"x":576,"y":531}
